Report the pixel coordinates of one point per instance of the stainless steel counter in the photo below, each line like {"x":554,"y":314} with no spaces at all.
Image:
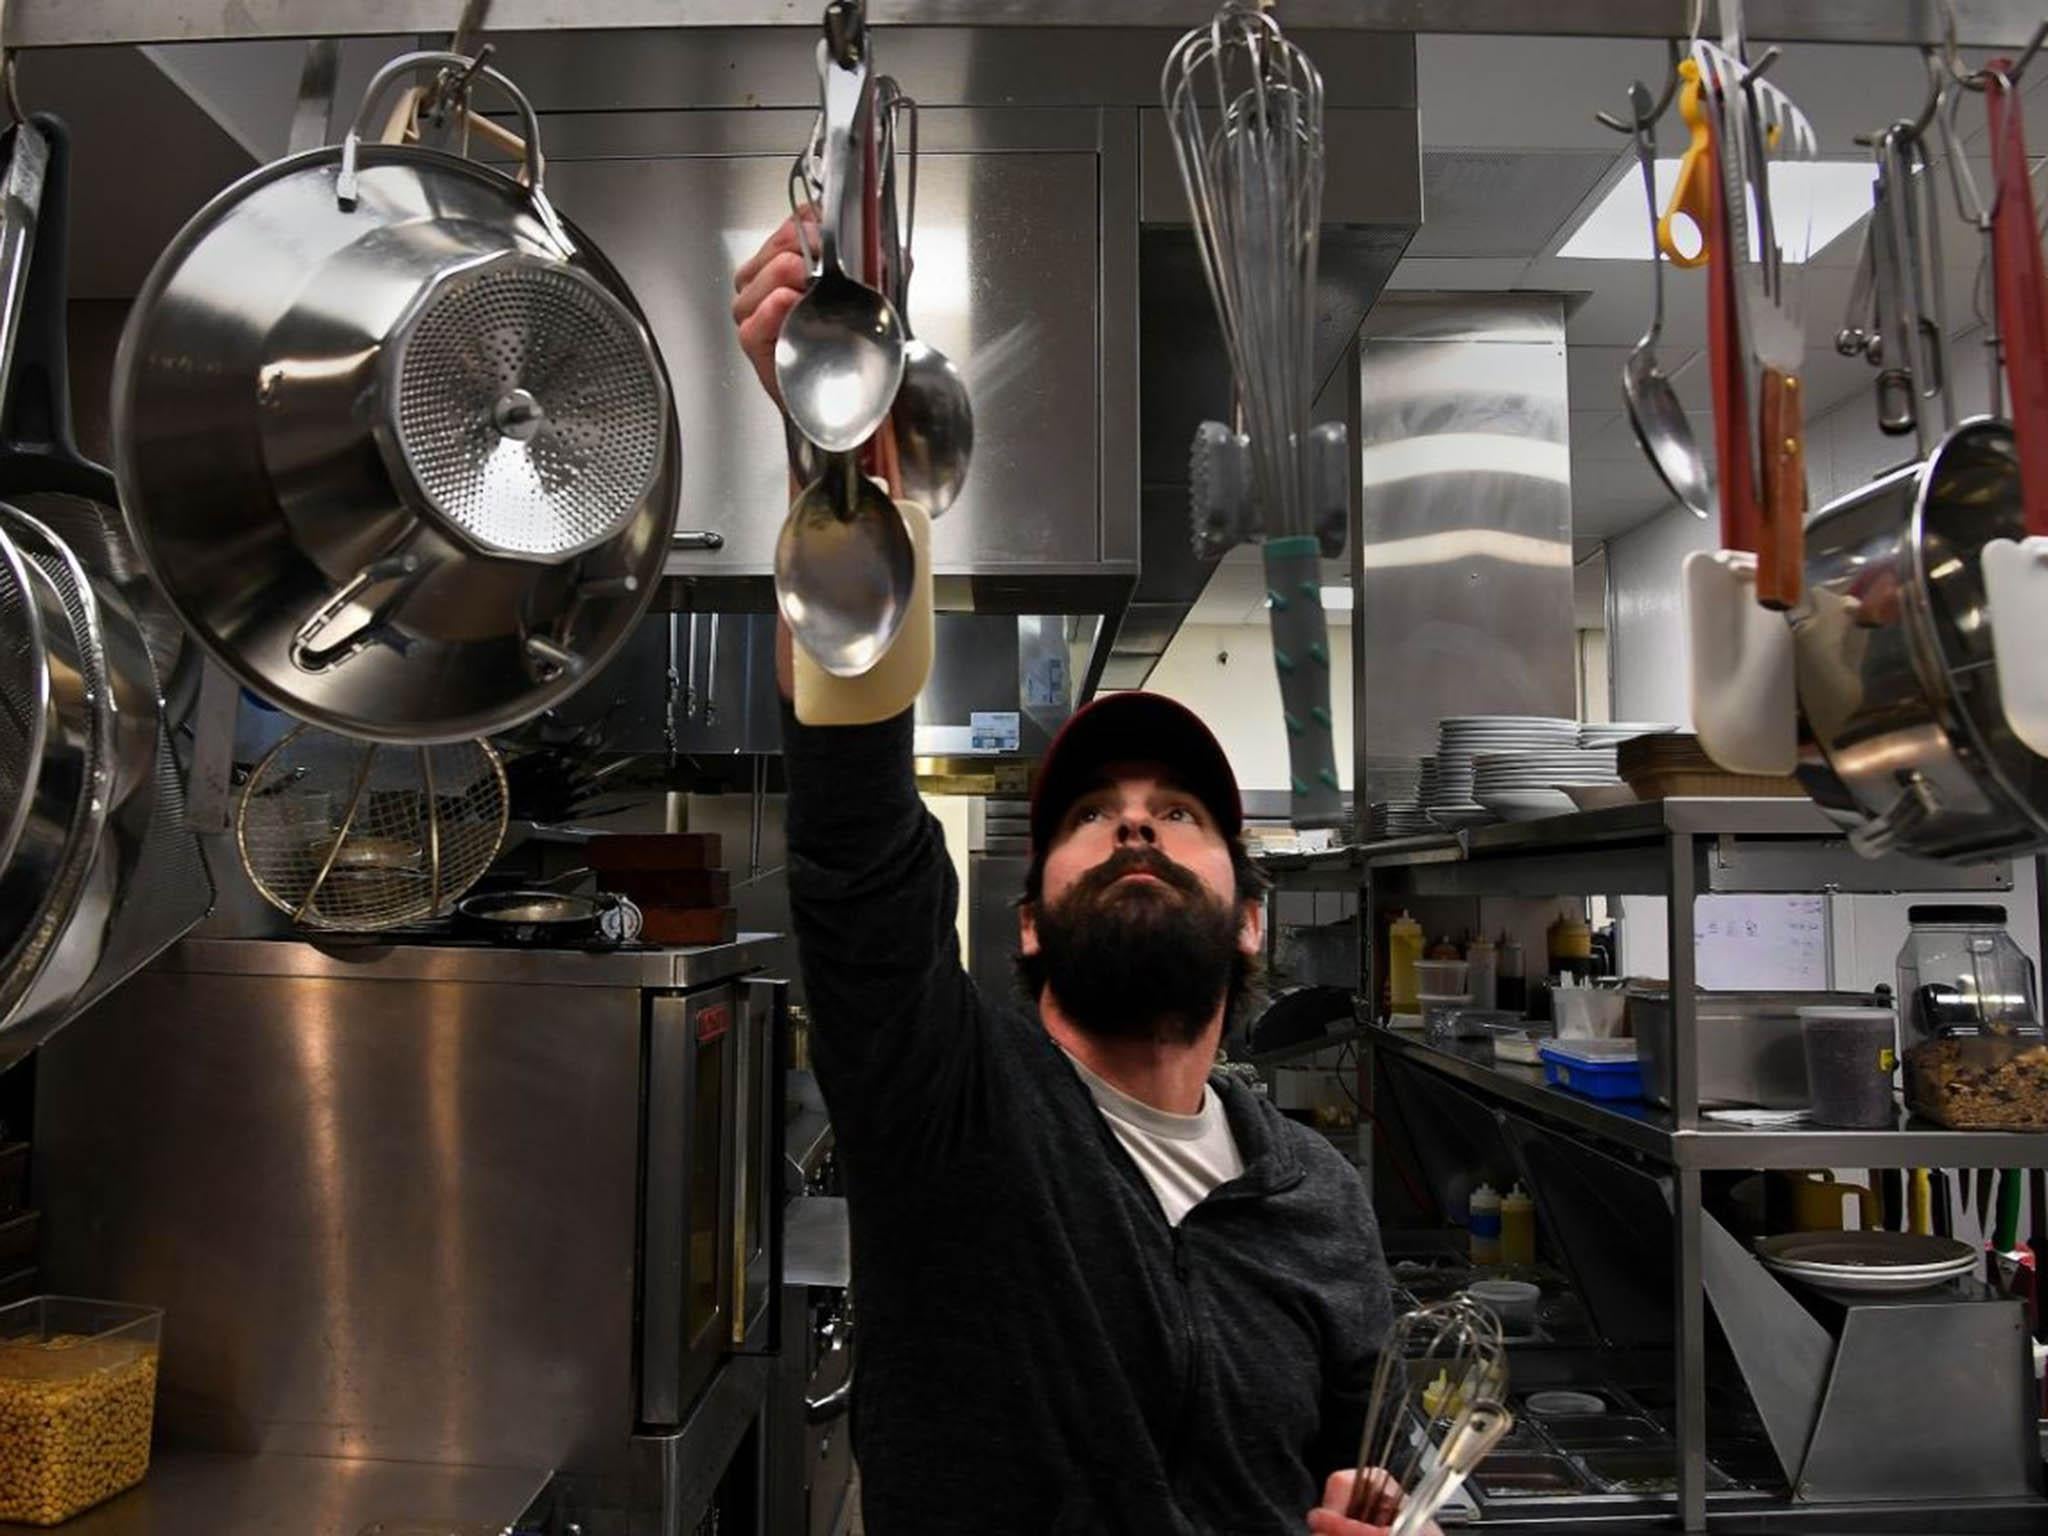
{"x":366,"y":958}
{"x":199,"y":1495}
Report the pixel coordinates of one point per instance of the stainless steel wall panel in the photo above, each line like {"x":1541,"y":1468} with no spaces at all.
{"x":388,"y":1220}
{"x":65,"y":23}
{"x":1375,"y":166}
{"x":1008,"y":285}
{"x":1025,"y":66}
{"x":1465,"y":516}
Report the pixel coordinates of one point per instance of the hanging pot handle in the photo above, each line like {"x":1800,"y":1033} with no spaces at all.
{"x":312,"y":651}
{"x":532,"y":168}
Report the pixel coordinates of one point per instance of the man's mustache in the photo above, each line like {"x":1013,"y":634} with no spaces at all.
{"x":1139,"y":861}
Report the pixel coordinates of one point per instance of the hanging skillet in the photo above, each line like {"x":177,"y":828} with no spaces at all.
{"x":133,"y":880}
{"x":42,"y":471}
{"x":393,"y":437}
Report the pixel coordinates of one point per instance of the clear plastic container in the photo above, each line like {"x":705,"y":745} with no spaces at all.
{"x":77,"y":1395}
{"x":1975,"y":1054}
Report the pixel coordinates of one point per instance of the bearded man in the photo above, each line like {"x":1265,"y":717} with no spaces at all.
{"x":1098,"y":1290}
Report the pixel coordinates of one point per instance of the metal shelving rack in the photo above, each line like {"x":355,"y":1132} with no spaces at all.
{"x":1678,"y":849}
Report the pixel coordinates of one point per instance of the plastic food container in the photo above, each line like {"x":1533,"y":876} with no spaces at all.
{"x":1565,"y":1402}
{"x":1514,"y":1302}
{"x":1645,"y":1471}
{"x":1526,"y":1475}
{"x":1588,"y":1013}
{"x":1851,"y":1057}
{"x":1440,"y":978}
{"x":1440,"y":1014}
{"x":1599,"y":1069}
{"x":1603,"y":1431}
{"x":1975,"y":1054}
{"x":77,"y":1394}
{"x":1751,"y":1048}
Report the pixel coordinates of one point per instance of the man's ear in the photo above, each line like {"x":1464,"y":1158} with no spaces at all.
{"x":1251,"y":932}
{"x":1027,"y":928}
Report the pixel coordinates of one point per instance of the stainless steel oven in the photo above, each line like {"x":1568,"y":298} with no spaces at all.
{"x":445,"y":1204}
{"x":713,"y":1100}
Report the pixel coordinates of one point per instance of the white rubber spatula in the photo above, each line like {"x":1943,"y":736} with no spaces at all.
{"x":2016,"y":571}
{"x":1738,"y":653}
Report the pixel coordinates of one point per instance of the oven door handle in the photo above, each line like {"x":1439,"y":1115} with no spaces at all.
{"x":834,"y":1404}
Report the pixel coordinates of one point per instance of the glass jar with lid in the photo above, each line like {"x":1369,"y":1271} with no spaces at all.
{"x":1975,"y":1054}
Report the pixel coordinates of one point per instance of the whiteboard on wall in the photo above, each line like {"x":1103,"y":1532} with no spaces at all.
{"x":1761,"y":943}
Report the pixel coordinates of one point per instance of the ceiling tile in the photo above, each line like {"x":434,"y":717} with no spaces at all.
{"x":1593,"y":377}
{"x":1603,"y":437}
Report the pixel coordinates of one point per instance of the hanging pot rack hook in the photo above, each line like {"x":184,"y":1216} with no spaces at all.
{"x":1619,"y":125}
{"x":1976,"y":79}
{"x":1696,"y":15}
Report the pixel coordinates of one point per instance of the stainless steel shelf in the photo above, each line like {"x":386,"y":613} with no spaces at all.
{"x":1654,"y":1132}
{"x":1735,"y":844}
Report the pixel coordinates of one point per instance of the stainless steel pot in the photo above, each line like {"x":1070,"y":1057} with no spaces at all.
{"x":394,"y":439}
{"x":107,"y":741}
{"x":1903,"y":739}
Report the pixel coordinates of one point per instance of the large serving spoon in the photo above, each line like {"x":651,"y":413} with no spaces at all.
{"x":933,"y":418}
{"x":845,"y":569}
{"x":1653,"y":405}
{"x":839,"y":358}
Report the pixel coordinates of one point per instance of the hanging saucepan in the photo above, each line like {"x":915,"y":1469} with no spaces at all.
{"x":549,"y":919}
{"x":394,"y":439}
{"x":1903,"y":738}
{"x":102,"y":746}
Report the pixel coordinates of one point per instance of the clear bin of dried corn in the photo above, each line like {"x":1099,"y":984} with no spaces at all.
{"x":77,"y":1393}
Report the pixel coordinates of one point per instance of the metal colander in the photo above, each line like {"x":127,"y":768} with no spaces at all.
{"x":348,"y":834}
{"x":24,"y":696}
{"x":530,"y":410}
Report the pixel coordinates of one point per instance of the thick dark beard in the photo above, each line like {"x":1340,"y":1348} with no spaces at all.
{"x":1135,"y":962}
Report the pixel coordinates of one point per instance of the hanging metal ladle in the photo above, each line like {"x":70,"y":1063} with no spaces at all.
{"x":845,"y":569}
{"x":839,"y":358}
{"x":1654,"y":409}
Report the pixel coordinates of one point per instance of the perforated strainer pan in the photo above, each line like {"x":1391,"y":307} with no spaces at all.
{"x":394,"y":439}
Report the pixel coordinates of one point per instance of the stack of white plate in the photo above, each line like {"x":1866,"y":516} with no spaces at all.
{"x":1462,"y":739}
{"x":1612,"y":733}
{"x":1868,"y":1263}
{"x":1400,"y":818}
{"x":1523,"y":786}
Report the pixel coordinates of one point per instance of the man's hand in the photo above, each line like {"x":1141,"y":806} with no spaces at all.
{"x":765,"y":289}
{"x":1383,"y":1502}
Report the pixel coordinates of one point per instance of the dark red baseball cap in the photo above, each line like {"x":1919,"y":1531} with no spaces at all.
{"x":1133,"y":727}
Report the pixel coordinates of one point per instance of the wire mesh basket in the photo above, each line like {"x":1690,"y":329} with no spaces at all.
{"x":356,"y":835}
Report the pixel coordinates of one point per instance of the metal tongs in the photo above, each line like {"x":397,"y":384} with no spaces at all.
{"x":1443,"y":1364}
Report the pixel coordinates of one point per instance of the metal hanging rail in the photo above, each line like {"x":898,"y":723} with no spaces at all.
{"x":69,"y":23}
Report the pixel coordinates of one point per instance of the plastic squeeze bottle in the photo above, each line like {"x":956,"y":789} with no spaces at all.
{"x":1486,"y":1225}
{"x":1404,"y":948}
{"x":1482,"y":963}
{"x":1518,"y":1227}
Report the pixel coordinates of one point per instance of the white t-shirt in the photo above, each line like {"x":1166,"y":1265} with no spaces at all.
{"x":1183,"y":1157}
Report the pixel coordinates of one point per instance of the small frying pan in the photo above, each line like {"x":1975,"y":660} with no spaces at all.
{"x":548,"y":919}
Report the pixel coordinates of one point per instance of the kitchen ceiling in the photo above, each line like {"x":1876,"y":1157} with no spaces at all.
{"x":1512,"y":159}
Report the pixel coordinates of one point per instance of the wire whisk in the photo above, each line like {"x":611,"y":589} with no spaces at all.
{"x":1245,"y":111}
{"x":1245,"y":106}
{"x":1438,"y":1406}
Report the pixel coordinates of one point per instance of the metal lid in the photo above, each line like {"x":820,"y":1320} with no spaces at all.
{"x":528,"y":410}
